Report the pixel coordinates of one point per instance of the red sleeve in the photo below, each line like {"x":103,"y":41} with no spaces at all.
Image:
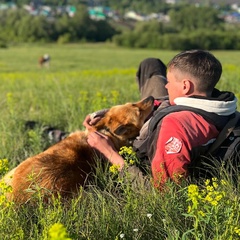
{"x":172,"y":152}
{"x":156,"y":103}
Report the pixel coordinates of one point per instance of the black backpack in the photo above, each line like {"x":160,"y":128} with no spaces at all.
{"x":225,"y":148}
{"x":227,"y":144}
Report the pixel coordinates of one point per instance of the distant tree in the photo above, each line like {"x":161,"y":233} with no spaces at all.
{"x":192,"y":18}
{"x":80,"y":24}
{"x":19,"y":26}
{"x":150,"y":27}
{"x":35,"y":29}
{"x":82,"y":27}
{"x":9,"y":22}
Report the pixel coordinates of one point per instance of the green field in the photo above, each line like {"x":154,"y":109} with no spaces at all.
{"x":83,"y":78}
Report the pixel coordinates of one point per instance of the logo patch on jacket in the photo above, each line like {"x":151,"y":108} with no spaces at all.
{"x":173,"y":145}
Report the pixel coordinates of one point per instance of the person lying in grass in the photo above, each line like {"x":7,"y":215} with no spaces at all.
{"x":191,"y":80}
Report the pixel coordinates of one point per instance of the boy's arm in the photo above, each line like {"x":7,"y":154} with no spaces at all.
{"x":172,"y":153}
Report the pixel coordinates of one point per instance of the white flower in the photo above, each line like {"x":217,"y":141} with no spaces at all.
{"x":149,"y":215}
{"x":164,"y":222}
{"x":122,"y":235}
{"x":135,"y":229}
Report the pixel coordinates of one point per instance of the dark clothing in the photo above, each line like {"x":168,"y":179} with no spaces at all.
{"x":151,"y":78}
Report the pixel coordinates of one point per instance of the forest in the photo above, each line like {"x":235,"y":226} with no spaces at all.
{"x":189,"y":26}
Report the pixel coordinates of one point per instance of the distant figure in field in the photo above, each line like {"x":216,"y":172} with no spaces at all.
{"x":44,"y":61}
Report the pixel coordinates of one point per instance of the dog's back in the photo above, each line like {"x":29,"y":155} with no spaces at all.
{"x":62,"y":168}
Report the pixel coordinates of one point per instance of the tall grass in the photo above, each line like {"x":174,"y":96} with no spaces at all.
{"x":80,"y":80}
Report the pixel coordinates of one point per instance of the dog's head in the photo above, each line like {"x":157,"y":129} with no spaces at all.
{"x":122,"y":123}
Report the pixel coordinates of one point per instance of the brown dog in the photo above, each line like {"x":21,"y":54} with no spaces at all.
{"x":65,"y":166}
{"x":44,"y":61}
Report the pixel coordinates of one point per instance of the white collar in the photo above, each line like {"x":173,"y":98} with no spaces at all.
{"x":223,"y":108}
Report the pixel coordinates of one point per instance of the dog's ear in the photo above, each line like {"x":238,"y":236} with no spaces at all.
{"x":121,"y":130}
{"x":99,"y":113}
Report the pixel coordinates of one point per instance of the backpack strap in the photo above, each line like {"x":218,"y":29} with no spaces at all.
{"x":159,"y":114}
{"x":226,"y":131}
{"x":144,"y":147}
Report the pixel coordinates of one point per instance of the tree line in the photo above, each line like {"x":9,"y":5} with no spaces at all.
{"x":19,"y":26}
{"x":189,"y":27}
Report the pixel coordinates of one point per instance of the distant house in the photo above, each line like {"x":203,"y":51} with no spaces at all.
{"x":97,"y":13}
{"x":160,"y":17}
{"x":71,"y":10}
{"x":102,"y":13}
{"x":132,"y":15}
{"x":171,"y":1}
{"x":233,"y":17}
{"x":5,"y":6}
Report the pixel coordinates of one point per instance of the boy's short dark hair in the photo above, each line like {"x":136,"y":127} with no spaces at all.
{"x":201,"y":64}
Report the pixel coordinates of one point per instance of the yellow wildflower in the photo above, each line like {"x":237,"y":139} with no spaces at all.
{"x":58,"y":232}
{"x":210,"y":188}
{"x":212,"y":195}
{"x":208,"y":198}
{"x":3,"y":166}
{"x":237,"y":230}
{"x":114,"y":169}
{"x":207,"y":182}
{"x":4,"y":189}
{"x":130,"y":157}
{"x":189,"y":209}
{"x":215,"y":185}
{"x":131,"y":162}
{"x":194,"y":195}
{"x":201,"y":213}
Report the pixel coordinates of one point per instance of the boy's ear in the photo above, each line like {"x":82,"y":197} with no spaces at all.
{"x":187,"y":87}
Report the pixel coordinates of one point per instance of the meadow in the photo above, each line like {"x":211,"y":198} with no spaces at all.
{"x":83,"y":78}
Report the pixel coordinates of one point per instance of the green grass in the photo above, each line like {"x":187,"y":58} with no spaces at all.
{"x":83,"y":78}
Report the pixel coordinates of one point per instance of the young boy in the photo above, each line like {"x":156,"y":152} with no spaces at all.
{"x":191,"y":80}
